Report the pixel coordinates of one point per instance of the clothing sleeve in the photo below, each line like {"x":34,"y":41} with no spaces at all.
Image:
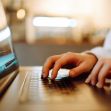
{"x":104,"y":51}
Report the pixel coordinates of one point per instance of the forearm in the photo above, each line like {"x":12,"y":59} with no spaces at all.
{"x":101,"y":52}
{"x":104,"y":51}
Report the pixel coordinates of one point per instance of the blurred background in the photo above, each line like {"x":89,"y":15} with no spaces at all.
{"x":81,"y":24}
{"x":59,"y":22}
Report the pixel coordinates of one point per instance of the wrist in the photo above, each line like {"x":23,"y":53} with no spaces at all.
{"x":91,"y":55}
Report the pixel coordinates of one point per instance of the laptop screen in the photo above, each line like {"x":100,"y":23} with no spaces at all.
{"x":8,"y":61}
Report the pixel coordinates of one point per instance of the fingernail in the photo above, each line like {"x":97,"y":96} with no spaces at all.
{"x":93,"y":83}
{"x":86,"y":81}
{"x":99,"y":85}
{"x":43,"y":75}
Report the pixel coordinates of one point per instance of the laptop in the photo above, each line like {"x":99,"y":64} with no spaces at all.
{"x":23,"y":89}
{"x":33,"y":85}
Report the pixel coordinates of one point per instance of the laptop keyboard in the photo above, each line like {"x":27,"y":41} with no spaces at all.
{"x":35,"y":89}
{"x":63,"y":89}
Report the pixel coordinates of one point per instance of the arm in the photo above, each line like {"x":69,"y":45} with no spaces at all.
{"x":81,"y":62}
{"x":102,"y":69}
{"x":104,"y":51}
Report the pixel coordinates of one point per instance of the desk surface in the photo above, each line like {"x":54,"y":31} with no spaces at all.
{"x":83,"y":98}
{"x":32,"y":55}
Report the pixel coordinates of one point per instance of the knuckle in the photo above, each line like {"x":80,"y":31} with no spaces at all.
{"x":69,"y":53}
{"x":57,"y":63}
{"x":51,"y":58}
{"x":85,"y":68}
{"x":73,"y":72}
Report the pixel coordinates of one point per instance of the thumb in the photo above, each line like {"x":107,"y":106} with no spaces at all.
{"x":77,"y":70}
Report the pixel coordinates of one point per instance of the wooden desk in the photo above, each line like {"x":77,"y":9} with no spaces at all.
{"x":82,"y":98}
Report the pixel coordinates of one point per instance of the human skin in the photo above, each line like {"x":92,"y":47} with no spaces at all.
{"x":80,"y":62}
{"x":100,"y":72}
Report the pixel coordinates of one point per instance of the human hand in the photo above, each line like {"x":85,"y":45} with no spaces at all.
{"x":100,"y":72}
{"x":81,"y":62}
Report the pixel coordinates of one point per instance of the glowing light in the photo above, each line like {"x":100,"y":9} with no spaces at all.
{"x":54,"y":22}
{"x":4,"y":34}
{"x":21,"y":14}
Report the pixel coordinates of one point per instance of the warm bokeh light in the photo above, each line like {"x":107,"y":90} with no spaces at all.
{"x":97,"y":10}
{"x":54,"y":22}
{"x":21,"y":14}
{"x":78,"y":20}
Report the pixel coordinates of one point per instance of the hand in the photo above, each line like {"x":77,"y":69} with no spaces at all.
{"x":81,"y":62}
{"x":101,"y":71}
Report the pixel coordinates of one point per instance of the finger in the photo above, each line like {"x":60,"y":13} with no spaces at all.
{"x":78,"y":70}
{"x":48,"y":65}
{"x":59,"y":63}
{"x":88,"y":79}
{"x":102,"y":75}
{"x":92,"y":78}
